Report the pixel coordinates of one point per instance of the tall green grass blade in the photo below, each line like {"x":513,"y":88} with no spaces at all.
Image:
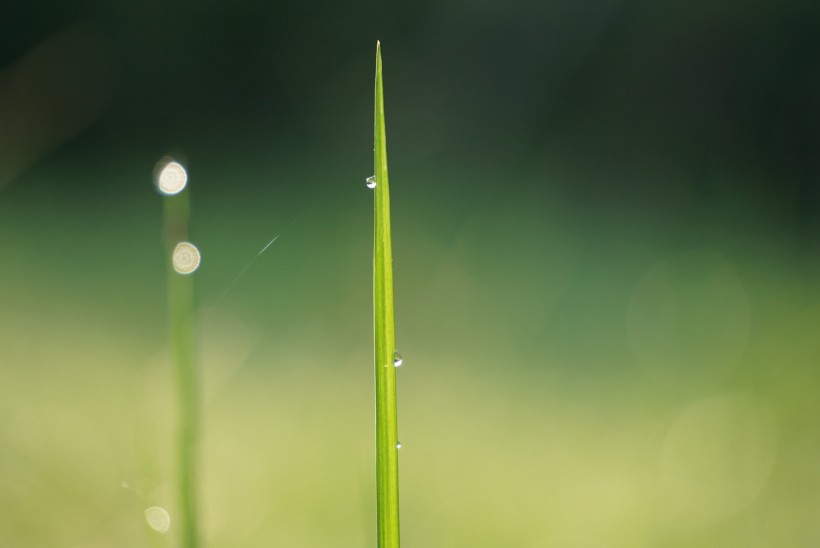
{"x":181,"y":325}
{"x":387,"y":457}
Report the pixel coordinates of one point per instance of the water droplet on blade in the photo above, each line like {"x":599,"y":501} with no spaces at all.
{"x":371,"y":181}
{"x":398,"y":445}
{"x":397,"y":359}
{"x":158,"y":519}
{"x":171,"y":177}
{"x":186,"y":258}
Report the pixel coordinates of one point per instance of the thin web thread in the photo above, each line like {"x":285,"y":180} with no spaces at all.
{"x":271,"y":242}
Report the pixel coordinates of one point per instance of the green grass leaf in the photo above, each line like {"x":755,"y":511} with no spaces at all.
{"x":387,"y":457}
{"x":181,"y":324}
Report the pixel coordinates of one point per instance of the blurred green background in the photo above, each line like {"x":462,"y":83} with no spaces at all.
{"x":606,"y":235}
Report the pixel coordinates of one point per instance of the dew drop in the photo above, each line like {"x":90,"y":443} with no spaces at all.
{"x":158,"y":519}
{"x":170,"y":176}
{"x":186,"y":258}
{"x":398,"y":445}
{"x":371,"y":181}
{"x":397,"y":359}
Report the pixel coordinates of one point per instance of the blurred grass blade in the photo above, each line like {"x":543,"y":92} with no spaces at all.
{"x":181,"y":320}
{"x":387,"y":458}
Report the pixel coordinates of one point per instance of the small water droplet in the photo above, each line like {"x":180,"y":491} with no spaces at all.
{"x":186,"y":258}
{"x":158,"y":519}
{"x":398,"y":445}
{"x":397,"y":359}
{"x":170,"y":176}
{"x":371,"y":181}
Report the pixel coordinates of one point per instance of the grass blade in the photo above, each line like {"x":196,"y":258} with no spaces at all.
{"x":387,"y":458}
{"x":181,"y":333}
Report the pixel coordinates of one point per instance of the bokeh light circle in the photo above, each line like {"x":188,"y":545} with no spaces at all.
{"x":158,"y":519}
{"x":716,"y":458}
{"x":170,"y":176}
{"x":186,"y":258}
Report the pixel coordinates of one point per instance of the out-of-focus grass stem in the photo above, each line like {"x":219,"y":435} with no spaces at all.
{"x":181,"y":332}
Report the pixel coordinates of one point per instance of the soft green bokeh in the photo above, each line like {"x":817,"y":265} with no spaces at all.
{"x":570,"y":379}
{"x":605,"y":224}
